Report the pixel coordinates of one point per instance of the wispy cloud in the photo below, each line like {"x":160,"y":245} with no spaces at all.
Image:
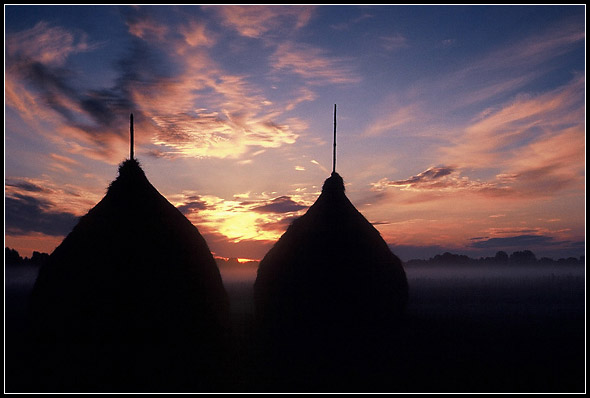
{"x":397,"y":117}
{"x":346,"y":25}
{"x":313,"y":64}
{"x":45,"y":44}
{"x":394,"y":42}
{"x":509,"y":68}
{"x":159,"y":81}
{"x":256,"y":21}
{"x":26,"y":214}
{"x":196,"y":34}
{"x":39,"y":206}
{"x":142,"y":23}
{"x":537,"y":141}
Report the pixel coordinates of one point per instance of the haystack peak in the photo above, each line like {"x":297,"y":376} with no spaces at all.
{"x":333,"y":184}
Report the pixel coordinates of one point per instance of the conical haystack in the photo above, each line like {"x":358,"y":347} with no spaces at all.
{"x":331,"y":278}
{"x":131,"y":299}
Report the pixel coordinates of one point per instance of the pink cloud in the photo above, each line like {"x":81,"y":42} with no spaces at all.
{"x":443,"y":181}
{"x":257,"y":20}
{"x":195,"y":34}
{"x":397,"y":117}
{"x":313,"y":64}
{"x":531,"y":132}
{"x":46,"y":44}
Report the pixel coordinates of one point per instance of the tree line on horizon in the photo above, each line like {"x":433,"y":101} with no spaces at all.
{"x":521,"y":257}
{"x":12,"y":256}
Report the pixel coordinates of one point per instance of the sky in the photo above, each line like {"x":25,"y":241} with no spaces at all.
{"x":459,"y":128}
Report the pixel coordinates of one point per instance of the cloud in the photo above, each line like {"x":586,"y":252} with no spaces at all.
{"x":246,"y":248}
{"x":44,"y":199}
{"x":44,"y":44}
{"x":40,"y":85}
{"x":511,"y":67}
{"x":258,"y":21}
{"x":397,"y":118}
{"x":159,"y":81}
{"x":444,"y":179}
{"x":537,"y":143}
{"x":302,"y":94}
{"x":260,"y":217}
{"x":346,"y":25}
{"x":392,"y":43}
{"x":282,"y":204}
{"x":195,"y":34}
{"x":540,"y":244}
{"x":232,"y":115}
{"x":27,"y":214}
{"x":193,"y":204}
{"x":142,"y":24}
{"x":521,"y":241}
{"x":427,"y":176}
{"x":24,"y":185}
{"x":529,"y":147}
{"x":313,"y":64}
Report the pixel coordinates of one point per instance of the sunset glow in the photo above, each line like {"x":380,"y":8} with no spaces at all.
{"x":460,"y":128}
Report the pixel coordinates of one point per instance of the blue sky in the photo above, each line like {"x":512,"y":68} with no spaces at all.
{"x":456,"y":124}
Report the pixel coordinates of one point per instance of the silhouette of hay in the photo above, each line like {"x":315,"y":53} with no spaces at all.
{"x":330,"y":280}
{"x":132,"y":299}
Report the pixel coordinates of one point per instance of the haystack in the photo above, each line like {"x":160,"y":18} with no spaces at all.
{"x":330,"y":285}
{"x":131,"y":300}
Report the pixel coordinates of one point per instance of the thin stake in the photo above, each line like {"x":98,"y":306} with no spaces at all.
{"x":334,"y":154}
{"x":131,"y":137}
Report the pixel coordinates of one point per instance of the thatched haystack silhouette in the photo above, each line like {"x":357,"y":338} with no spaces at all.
{"x":132,"y":299}
{"x":330,"y":280}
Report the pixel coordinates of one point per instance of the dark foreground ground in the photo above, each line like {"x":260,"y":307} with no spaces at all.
{"x":466,"y":330}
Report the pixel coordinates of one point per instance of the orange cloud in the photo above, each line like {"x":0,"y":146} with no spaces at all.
{"x":255,"y":218}
{"x":231,"y":118}
{"x":58,"y":198}
{"x":195,"y":34}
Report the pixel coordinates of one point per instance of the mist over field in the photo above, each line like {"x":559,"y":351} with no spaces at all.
{"x":499,"y":328}
{"x":485,"y":291}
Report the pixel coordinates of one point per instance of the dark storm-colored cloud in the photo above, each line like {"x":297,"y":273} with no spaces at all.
{"x":520,"y":241}
{"x":25,"y":214}
{"x":542,"y":245}
{"x":430,"y":174}
{"x":56,"y":90}
{"x":282,"y":204}
{"x":195,"y":203}
{"x":479,"y":238}
{"x":445,"y":179}
{"x":55,"y":84}
{"x":25,"y":186}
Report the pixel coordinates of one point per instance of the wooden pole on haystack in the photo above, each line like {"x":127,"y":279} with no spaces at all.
{"x":334,"y":154}
{"x":131,"y":137}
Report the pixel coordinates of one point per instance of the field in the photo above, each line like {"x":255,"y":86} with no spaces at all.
{"x":518,"y":329}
